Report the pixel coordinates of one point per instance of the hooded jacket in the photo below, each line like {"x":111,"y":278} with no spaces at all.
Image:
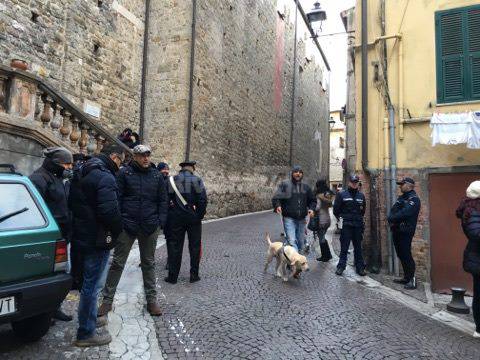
{"x":94,"y":203}
{"x":48,"y":179}
{"x":295,"y":198}
{"x":143,"y":198}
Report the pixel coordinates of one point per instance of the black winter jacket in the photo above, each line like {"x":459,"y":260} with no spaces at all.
{"x":48,"y":180}
{"x":143,"y":198}
{"x":193,"y":191}
{"x":404,"y":213}
{"x":295,"y":199}
{"x":471,"y":254}
{"x":94,"y":203}
{"x":350,"y":206}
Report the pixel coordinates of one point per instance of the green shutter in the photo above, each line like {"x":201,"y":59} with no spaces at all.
{"x":450,"y":49}
{"x":473,"y":20}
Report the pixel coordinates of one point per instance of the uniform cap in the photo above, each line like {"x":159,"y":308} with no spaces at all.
{"x":406,"y":180}
{"x":187,"y":163}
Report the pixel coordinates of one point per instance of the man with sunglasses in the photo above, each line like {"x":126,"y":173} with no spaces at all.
{"x":294,"y":200}
{"x":143,"y":203}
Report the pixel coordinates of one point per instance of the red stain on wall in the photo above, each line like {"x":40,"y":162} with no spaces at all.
{"x":279,"y":59}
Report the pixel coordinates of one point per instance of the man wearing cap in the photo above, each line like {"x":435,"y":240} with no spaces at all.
{"x":350,"y":206}
{"x":143,"y":204}
{"x":50,"y":181}
{"x":403,"y":222}
{"x":187,"y":207}
{"x":294,"y":200}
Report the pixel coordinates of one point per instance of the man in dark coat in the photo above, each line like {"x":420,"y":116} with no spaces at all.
{"x":403,"y":222}
{"x":51,"y":182}
{"x":97,"y":223}
{"x":143,"y":202}
{"x":350,"y":206}
{"x":294,"y":200}
{"x":185,"y":213}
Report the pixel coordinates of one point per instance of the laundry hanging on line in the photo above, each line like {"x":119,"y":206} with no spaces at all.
{"x":456,"y":128}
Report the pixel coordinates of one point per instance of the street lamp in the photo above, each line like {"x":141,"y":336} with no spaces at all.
{"x":331,"y":123}
{"x":317,"y":14}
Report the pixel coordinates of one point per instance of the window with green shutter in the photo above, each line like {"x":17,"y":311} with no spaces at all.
{"x":458,"y":54}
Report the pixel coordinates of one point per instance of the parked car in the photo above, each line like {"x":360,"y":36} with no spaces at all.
{"x":33,"y":258}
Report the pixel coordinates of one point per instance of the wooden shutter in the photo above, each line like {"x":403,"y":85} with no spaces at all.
{"x":450,"y":56}
{"x":473,"y":76}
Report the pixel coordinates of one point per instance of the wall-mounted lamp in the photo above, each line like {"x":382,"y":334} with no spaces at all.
{"x":317,"y":14}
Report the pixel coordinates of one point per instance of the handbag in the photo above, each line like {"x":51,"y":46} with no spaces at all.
{"x":314,"y":223}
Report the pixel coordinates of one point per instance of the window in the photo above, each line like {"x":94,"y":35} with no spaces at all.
{"x":18,"y":210}
{"x":458,"y":54}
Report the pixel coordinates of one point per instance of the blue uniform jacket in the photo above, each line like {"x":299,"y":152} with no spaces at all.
{"x":350,"y":206}
{"x":404,"y":213}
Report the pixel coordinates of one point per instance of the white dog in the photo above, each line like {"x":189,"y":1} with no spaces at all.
{"x":285,"y":255}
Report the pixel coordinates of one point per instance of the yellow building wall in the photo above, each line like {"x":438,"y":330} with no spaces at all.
{"x":415,"y":20}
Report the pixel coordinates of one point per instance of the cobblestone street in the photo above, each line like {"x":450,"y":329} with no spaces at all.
{"x":237,"y":311}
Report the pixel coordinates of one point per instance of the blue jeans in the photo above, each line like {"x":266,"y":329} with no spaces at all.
{"x":294,"y":232}
{"x":94,"y":266}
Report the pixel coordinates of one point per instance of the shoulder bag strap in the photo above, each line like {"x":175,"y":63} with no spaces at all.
{"x":182,"y":199}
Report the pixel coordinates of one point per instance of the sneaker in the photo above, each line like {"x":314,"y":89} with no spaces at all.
{"x":94,"y":340}
{"x":154,"y":309}
{"x":476,"y":335}
{"x":170,"y":280}
{"x":411,"y":285}
{"x":104,"y":309}
{"x":102,"y":321}
{"x":402,"y":281}
{"x":60,"y":315}
{"x":339,"y":271}
{"x":194,"y":278}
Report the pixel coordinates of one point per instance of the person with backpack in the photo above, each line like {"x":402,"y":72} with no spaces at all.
{"x":469,"y":213}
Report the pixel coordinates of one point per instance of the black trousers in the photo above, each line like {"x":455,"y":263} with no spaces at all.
{"x":403,"y":247}
{"x":177,"y":227}
{"x":354,"y":235}
{"x":476,"y":302}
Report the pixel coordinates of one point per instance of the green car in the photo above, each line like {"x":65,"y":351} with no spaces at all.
{"x":33,"y":258}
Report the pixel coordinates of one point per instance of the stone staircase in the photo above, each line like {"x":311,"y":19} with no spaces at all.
{"x":32,"y":110}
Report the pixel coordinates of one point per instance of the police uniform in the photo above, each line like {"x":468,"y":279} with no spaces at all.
{"x":350,"y":206}
{"x":403,"y":221}
{"x":185,"y":219}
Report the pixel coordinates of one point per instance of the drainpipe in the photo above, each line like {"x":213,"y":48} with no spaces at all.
{"x":190,"y":90}
{"x":388,"y":192}
{"x":294,"y":85}
{"x":141,"y":130}
{"x":364,"y":87}
{"x":393,"y":176}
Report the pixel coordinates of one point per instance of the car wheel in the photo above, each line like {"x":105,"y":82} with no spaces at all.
{"x":32,"y":329}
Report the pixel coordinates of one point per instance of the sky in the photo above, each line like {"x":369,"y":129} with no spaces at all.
{"x":334,"y":47}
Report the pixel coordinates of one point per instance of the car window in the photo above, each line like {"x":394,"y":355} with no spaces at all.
{"x":18,"y":210}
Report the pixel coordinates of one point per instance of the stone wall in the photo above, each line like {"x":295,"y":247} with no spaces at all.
{"x":242,"y":96}
{"x":89,"y":50}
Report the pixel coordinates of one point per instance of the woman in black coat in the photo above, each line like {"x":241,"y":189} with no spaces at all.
{"x":469,"y":213}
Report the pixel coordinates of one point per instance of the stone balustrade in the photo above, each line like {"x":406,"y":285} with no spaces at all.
{"x":35,"y":108}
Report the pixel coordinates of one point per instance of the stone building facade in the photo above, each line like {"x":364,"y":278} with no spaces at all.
{"x":241,"y":123}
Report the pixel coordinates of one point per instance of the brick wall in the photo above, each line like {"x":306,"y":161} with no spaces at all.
{"x":60,"y":44}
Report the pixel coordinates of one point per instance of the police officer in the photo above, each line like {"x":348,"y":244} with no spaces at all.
{"x":403,"y":221}
{"x":350,"y":206}
{"x":187,"y":207}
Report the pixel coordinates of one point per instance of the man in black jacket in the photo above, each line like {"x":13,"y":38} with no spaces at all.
{"x":403,"y":222}
{"x":51,"y":182}
{"x":185,"y":214}
{"x":294,"y":200}
{"x":350,"y":206}
{"x":143,"y":202}
{"x":97,"y":223}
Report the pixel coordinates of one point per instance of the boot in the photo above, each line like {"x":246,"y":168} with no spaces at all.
{"x":339,"y":271}
{"x":60,"y":315}
{"x":170,"y":280}
{"x":411,"y":285}
{"x":194,"y":278}
{"x":361,"y":272}
{"x":402,"y":281}
{"x":104,"y":309}
{"x":102,"y":321}
{"x":154,"y":309}
{"x":94,"y":340}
